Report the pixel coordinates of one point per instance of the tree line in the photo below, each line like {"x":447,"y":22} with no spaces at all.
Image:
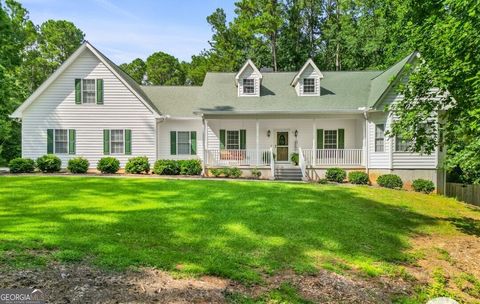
{"x":282,"y":35}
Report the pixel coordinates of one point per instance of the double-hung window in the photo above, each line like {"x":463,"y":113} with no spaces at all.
{"x":402,"y":145}
{"x":380,"y":138}
{"x":309,"y":86}
{"x":330,"y":139}
{"x":248,"y":86}
{"x":88,"y":90}
{"x":117,"y":141}
{"x":233,"y":139}
{"x":183,"y":142}
{"x":61,"y":141}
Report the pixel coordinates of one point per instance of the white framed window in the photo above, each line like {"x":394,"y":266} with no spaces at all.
{"x":402,"y":145}
{"x":60,"y":141}
{"x":330,"y":139}
{"x":233,"y":139}
{"x":117,"y":141}
{"x":88,"y":90}
{"x":309,"y":85}
{"x":183,"y":142}
{"x":248,"y":86}
{"x":379,"y":137}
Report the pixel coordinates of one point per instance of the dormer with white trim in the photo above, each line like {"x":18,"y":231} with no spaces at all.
{"x":248,"y":80}
{"x":307,"y":80}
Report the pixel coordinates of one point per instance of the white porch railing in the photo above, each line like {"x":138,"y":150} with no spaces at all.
{"x":229,"y":157}
{"x":272,"y":164}
{"x":302,"y":164}
{"x":333,"y":157}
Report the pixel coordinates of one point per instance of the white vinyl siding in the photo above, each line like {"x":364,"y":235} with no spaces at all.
{"x":60,"y":145}
{"x":55,"y":108}
{"x":308,"y":73}
{"x":164,"y":128}
{"x":249,"y":75}
{"x":88,"y":90}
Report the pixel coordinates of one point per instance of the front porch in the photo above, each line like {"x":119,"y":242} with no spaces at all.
{"x":320,"y":142}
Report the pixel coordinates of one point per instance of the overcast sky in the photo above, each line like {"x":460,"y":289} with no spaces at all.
{"x":127,"y":29}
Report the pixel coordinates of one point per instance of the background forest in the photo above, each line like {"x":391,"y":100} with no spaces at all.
{"x":281,"y":35}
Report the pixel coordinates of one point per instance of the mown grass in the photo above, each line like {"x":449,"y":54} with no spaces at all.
{"x":236,"y":229}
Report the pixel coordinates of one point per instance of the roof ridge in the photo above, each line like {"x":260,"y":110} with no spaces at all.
{"x":408,"y":56}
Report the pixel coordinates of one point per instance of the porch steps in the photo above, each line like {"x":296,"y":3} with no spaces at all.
{"x":288,"y":173}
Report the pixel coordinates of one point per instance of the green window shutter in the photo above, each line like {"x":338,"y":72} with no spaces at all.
{"x":341,"y":138}
{"x":222,"y":139}
{"x":319,"y":138}
{"x":78,"y":91}
{"x":243,"y":139}
{"x":173,"y":142}
{"x":193,"y":142}
{"x":106,"y":142}
{"x":72,"y":142}
{"x":50,"y":141}
{"x":99,"y":91}
{"x":128,"y":142}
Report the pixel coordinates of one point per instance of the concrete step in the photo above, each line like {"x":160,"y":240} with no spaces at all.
{"x":288,"y":173}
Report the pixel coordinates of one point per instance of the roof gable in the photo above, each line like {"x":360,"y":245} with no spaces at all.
{"x":248,"y":63}
{"x":305,"y":66}
{"x":123,"y":77}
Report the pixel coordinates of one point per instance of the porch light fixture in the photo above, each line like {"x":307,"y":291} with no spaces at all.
{"x":268,"y":133}
{"x":296,"y":133}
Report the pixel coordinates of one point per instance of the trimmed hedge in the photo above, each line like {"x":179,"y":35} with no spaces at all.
{"x":190,"y":167}
{"x":227,"y":172}
{"x":49,"y":163}
{"x":216,"y":172}
{"x":336,"y":175}
{"x":176,"y":167}
{"x":358,"y":177}
{"x":423,"y":185}
{"x":137,"y":165}
{"x":21,"y":165}
{"x":391,"y":181}
{"x":78,"y":165}
{"x":108,"y":165}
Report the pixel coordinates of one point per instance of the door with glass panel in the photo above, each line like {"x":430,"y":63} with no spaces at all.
{"x":282,"y":146}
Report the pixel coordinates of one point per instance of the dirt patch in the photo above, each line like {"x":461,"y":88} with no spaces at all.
{"x":79,"y":283}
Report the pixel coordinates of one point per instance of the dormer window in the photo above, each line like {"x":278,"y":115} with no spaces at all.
{"x":248,"y":86}
{"x":309,"y":85}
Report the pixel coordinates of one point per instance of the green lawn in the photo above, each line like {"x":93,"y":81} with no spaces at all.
{"x":234,"y":229}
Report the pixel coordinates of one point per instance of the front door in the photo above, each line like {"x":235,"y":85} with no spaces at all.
{"x":282,"y":146}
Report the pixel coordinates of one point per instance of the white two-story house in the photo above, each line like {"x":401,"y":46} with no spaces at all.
{"x":248,"y":119}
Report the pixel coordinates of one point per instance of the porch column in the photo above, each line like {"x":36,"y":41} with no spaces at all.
{"x":257,"y":125}
{"x":205,"y":144}
{"x":314,"y":142}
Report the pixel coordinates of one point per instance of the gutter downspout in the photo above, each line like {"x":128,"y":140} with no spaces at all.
{"x":367,"y":165}
{"x":161,"y":119}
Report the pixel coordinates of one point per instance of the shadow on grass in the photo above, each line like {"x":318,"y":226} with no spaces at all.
{"x":466,"y":225}
{"x":237,"y":230}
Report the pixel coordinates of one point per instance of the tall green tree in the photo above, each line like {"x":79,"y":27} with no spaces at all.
{"x":136,"y":69}
{"x":164,"y":69}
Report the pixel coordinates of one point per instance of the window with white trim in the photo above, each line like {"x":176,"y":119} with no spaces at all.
{"x":61,"y":141}
{"x":402,"y":145}
{"x":330,"y":139}
{"x":88,"y":90}
{"x":233,"y":139}
{"x":248,"y":86}
{"x":309,"y":85}
{"x":379,"y":137}
{"x":183,"y":142}
{"x":117,"y":141}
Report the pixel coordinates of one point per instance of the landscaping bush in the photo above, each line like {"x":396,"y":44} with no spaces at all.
{"x":235,"y":172}
{"x":216,"y":172}
{"x":322,"y":181}
{"x":294,"y":158}
{"x":256,"y":173}
{"x":137,"y":165}
{"x":336,"y":175}
{"x":190,"y":167}
{"x":21,"y":165}
{"x":49,"y":163}
{"x":423,"y":185}
{"x":166,"y":167}
{"x":226,"y":172}
{"x":78,"y":165}
{"x":391,"y":181}
{"x":108,"y":165}
{"x":358,"y":177}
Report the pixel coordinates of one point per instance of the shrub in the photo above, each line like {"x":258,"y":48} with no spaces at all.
{"x":166,"y":167}
{"x":108,"y":165}
{"x":216,"y":172}
{"x":78,"y":165}
{"x":21,"y":165}
{"x":294,"y":158}
{"x":256,"y":173}
{"x":391,"y":181}
{"x":322,"y":181}
{"x":49,"y":163}
{"x":423,"y":185}
{"x":226,"y":172}
{"x":190,"y":167}
{"x":336,"y":175}
{"x":358,"y":177}
{"x":137,"y":165}
{"x":235,"y":172}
